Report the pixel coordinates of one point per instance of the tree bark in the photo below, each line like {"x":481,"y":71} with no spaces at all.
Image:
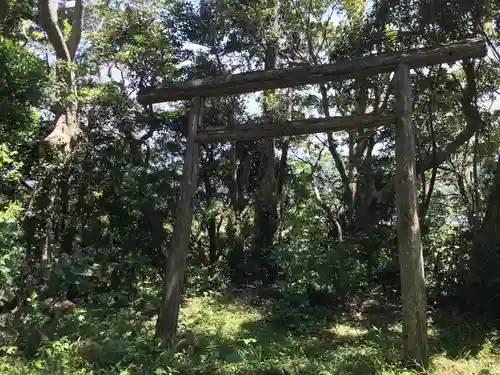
{"x":409,"y":241}
{"x":39,"y":234}
{"x":266,"y":201}
{"x":168,"y":316}
{"x":67,"y":128}
{"x":484,"y":257}
{"x":213,"y":250}
{"x":211,"y":220}
{"x":37,"y":238}
{"x":238,"y":183}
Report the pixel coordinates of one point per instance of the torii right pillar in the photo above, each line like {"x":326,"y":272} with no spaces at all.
{"x":413,"y":291}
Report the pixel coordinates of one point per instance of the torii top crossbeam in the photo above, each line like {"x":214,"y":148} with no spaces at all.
{"x":304,"y":75}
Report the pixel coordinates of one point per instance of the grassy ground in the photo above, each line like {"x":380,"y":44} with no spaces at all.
{"x":236,"y":335}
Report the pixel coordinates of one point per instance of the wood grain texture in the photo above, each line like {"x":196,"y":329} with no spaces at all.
{"x":411,"y":261}
{"x":168,"y":316}
{"x":304,"y":75}
{"x":260,"y":130}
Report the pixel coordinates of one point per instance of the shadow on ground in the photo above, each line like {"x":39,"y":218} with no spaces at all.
{"x":246,"y":334}
{"x":459,"y":335}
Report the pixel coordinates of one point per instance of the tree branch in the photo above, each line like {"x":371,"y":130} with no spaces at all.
{"x":48,"y":20}
{"x":474,"y":123}
{"x":76,"y":29}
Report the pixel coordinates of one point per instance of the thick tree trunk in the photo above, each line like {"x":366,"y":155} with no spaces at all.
{"x":37,"y":231}
{"x":236,"y":241}
{"x":175,"y":269}
{"x":67,"y":225}
{"x":409,"y":242}
{"x":266,"y":202}
{"x":213,"y":249}
{"x":238,"y":190}
{"x":484,"y":257}
{"x":211,"y":220}
{"x":266,"y":214}
{"x":366,"y":220}
{"x":67,"y":128}
{"x":39,"y":225}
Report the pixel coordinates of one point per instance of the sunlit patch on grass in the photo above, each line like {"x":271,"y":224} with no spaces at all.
{"x":347,"y":331}
{"x":480,"y":366}
{"x":396,"y":328}
{"x":219,"y":335}
{"x":206,"y":315}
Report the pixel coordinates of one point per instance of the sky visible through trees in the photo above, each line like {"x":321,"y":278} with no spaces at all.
{"x":292,"y":263}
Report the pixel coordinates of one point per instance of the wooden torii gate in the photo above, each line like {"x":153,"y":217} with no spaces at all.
{"x":408,"y":229}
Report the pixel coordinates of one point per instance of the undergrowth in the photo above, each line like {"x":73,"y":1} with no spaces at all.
{"x":225,"y":335}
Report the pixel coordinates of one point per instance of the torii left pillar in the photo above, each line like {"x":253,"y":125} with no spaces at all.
{"x":175,"y":267}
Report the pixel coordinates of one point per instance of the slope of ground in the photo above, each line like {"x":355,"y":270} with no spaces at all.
{"x":229,"y":335}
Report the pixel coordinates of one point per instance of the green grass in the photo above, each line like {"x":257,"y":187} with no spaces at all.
{"x":228,"y":335}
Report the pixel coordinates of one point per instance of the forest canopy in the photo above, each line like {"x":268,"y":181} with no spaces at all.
{"x":292,"y":261}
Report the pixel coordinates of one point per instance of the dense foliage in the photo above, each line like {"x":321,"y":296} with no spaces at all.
{"x":293,"y":261}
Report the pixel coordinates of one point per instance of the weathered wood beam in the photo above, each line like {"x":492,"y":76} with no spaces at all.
{"x":256,"y":130}
{"x":304,"y":75}
{"x":413,"y":291}
{"x":175,"y":268}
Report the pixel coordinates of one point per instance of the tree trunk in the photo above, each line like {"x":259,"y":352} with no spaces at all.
{"x":266,"y":215}
{"x":39,"y":232}
{"x":211,"y":221}
{"x":236,"y":254}
{"x":409,"y":241}
{"x":238,"y":190}
{"x":67,"y":128}
{"x":175,"y":269}
{"x":484,"y":257}
{"x":339,"y":164}
{"x":266,"y":202}
{"x":213,"y":240}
